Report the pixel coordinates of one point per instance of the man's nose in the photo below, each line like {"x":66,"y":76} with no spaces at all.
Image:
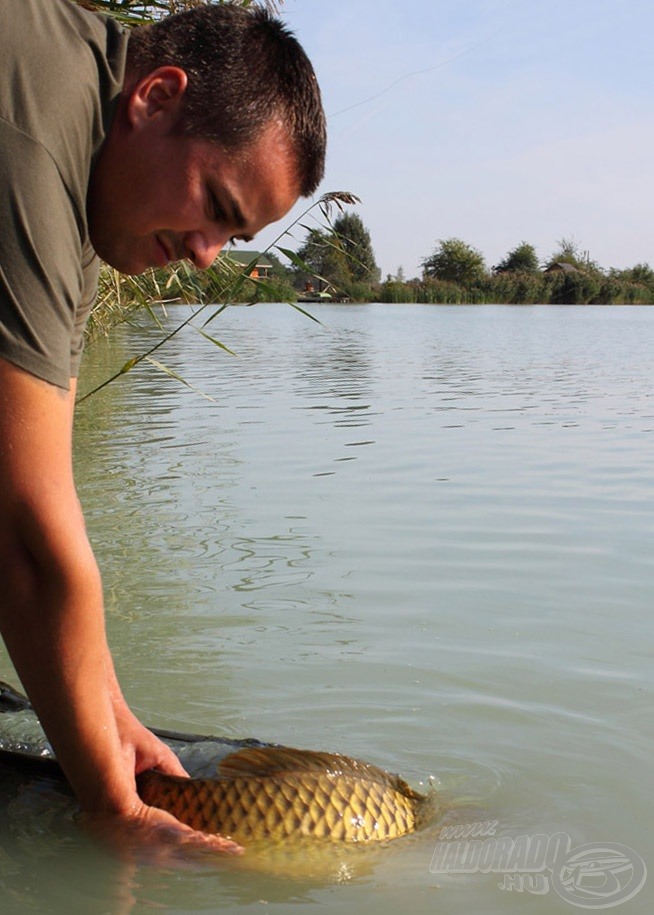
{"x":202,"y":249}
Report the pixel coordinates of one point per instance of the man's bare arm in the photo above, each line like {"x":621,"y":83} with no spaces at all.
{"x":52,"y":617}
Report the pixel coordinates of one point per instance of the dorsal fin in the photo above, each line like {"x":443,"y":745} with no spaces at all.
{"x":261,"y":761}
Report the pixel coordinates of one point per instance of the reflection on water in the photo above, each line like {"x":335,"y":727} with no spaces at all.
{"x":419,"y":535}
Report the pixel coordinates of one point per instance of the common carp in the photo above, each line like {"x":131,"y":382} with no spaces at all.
{"x":278,"y":793}
{"x":247,"y":789}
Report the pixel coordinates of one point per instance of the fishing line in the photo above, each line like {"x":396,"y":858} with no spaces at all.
{"x":406,"y":76}
{"x":414,"y":73}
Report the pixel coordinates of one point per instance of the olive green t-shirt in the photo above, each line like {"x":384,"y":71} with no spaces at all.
{"x":62,"y":72}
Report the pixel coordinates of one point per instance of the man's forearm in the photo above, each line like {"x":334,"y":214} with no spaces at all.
{"x":52,"y":619}
{"x":53,"y":625}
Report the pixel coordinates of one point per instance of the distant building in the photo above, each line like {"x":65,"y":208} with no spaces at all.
{"x":562,"y":267}
{"x":261,"y":266}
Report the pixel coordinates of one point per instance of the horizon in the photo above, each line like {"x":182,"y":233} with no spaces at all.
{"x":493,"y":121}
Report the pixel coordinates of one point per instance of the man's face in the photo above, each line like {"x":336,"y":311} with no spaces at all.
{"x":158,"y":197}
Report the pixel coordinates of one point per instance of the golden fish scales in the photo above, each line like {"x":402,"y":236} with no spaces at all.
{"x":278,"y":793}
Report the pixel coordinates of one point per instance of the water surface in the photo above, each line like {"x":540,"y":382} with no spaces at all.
{"x":420,"y":535}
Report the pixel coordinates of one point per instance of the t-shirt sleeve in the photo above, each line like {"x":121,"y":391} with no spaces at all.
{"x":46,"y":269}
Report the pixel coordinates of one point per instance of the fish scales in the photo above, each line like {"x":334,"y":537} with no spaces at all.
{"x":277,"y":793}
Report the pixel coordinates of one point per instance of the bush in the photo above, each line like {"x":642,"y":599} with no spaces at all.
{"x":518,"y":288}
{"x":394,"y":291}
{"x":439,"y":292}
{"x":574,"y":288}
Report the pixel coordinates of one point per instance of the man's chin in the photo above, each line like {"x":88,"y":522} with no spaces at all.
{"x":132,"y":271}
{"x":128,"y":266}
{"x":123,"y":258}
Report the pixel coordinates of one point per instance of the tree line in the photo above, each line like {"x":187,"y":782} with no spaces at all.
{"x":339,"y":260}
{"x":456,"y":272}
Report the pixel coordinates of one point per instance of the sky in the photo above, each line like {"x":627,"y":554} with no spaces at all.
{"x":494,"y":121}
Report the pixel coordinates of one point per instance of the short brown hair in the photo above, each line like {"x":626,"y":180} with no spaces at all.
{"x":245,"y":69}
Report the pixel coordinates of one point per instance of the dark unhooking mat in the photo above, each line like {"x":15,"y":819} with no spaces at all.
{"x":24,"y":746}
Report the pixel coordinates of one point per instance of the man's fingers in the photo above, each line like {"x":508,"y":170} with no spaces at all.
{"x":170,"y":764}
{"x":153,"y":833}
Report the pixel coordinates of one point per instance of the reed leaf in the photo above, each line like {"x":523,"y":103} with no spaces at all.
{"x":222,"y":283}
{"x":218,"y":311}
{"x":304,"y":312}
{"x":294,"y":258}
{"x":173,"y":374}
{"x":213,"y":340}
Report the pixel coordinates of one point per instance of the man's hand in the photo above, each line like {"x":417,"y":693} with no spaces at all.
{"x":141,"y":748}
{"x":155,"y":829}
{"x":154,"y":836}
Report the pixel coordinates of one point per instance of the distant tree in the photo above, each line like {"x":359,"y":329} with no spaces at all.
{"x":639,"y":273}
{"x":324,"y":258}
{"x":342,"y":256}
{"x":569,"y":252}
{"x":398,"y":277}
{"x":279,"y":270}
{"x":522,"y":259}
{"x":355,"y":241}
{"x":456,"y":262}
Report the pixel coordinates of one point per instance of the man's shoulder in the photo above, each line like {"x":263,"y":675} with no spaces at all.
{"x":62,"y":67}
{"x":46,"y":28}
{"x":63,"y":70}
{"x":62,"y":74}
{"x":46,"y":18}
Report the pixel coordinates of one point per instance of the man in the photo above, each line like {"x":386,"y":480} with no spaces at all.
{"x":139,"y":148}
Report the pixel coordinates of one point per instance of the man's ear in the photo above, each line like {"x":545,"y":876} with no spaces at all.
{"x":157,"y":96}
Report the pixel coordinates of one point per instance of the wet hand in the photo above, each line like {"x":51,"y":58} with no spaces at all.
{"x":143,"y":749}
{"x":149,"y":835}
{"x":144,"y":832}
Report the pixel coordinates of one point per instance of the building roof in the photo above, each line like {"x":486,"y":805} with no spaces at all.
{"x":241,"y":256}
{"x":562,"y":267}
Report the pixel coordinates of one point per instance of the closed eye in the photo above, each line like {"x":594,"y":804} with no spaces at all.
{"x":216,"y":212}
{"x":219,"y":214}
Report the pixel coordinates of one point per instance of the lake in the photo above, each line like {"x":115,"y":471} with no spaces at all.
{"x":421,"y":535}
